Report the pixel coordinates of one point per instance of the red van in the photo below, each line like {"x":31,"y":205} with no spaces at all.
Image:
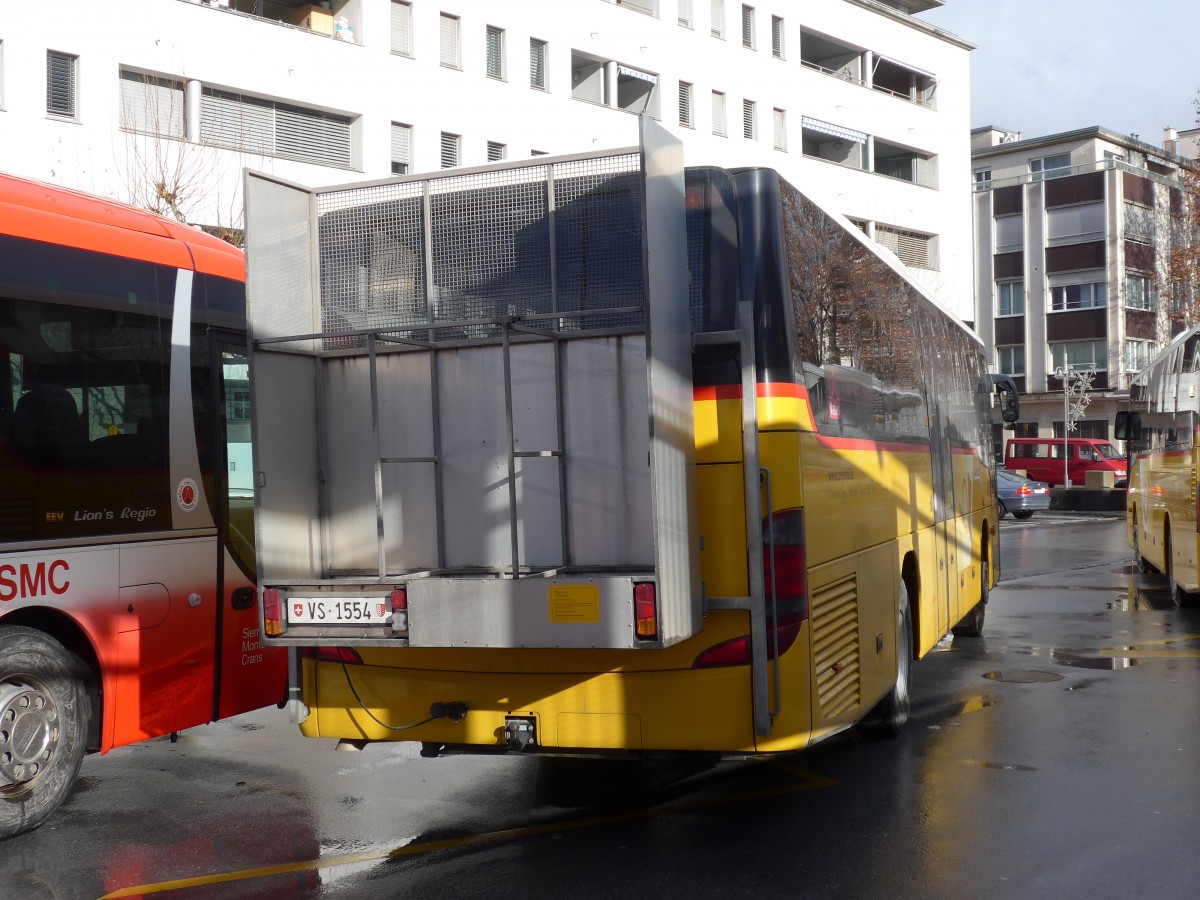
{"x":1042,"y":459}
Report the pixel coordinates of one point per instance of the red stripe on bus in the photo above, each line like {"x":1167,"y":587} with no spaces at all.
{"x":766,"y":390}
{"x":836,"y":443}
{"x":1147,"y":454}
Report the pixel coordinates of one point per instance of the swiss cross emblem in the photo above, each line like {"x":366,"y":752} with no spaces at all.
{"x":297,"y":609}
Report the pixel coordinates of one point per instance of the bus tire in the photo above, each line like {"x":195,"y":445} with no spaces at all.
{"x":971,"y":625}
{"x":1143,"y":564}
{"x":889,"y":716}
{"x":44,"y":708}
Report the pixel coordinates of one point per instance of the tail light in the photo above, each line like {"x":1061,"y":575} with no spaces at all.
{"x":274,"y":617}
{"x":399,"y":601}
{"x":645,"y":610}
{"x":347,"y":655}
{"x":1158,"y":490}
{"x":1024,"y":490}
{"x":785,"y":580}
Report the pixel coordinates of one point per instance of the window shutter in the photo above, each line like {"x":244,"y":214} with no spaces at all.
{"x":449,"y":42}
{"x":685,"y":104}
{"x":402,"y":28}
{"x":312,"y":137}
{"x":780,"y":130}
{"x":495,"y":52}
{"x":748,"y":129}
{"x":777,"y":37}
{"x":60,"y":84}
{"x":496,"y":151}
{"x":537,"y":63}
{"x":646,"y":6}
{"x":913,"y":248}
{"x":152,"y":105}
{"x":685,"y":13}
{"x":718,"y":112}
{"x":450,"y":150}
{"x":717,"y":12}
{"x":239,"y":123}
{"x":401,"y":148}
{"x":748,"y":26}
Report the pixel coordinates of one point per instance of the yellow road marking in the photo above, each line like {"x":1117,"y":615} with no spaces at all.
{"x":1148,"y":649}
{"x":812,"y":781}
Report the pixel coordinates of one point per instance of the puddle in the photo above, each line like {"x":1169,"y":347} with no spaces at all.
{"x":1064,"y":658}
{"x":1024,"y":676}
{"x":1144,"y":600}
{"x":1007,"y":767}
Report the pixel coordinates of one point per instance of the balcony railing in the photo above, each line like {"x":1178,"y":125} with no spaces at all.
{"x":1100,"y":165}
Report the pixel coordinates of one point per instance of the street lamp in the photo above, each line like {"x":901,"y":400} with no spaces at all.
{"x":1065,"y":373}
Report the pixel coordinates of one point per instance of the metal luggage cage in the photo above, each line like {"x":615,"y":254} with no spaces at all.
{"x":561,"y":251}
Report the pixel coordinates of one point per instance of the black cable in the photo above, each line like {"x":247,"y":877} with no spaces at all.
{"x":374,"y":718}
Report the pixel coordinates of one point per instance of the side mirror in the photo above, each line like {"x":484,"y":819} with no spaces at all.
{"x":1010,"y":408}
{"x":1128,"y":426}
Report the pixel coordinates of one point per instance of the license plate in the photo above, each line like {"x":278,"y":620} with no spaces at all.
{"x":338,"y":610}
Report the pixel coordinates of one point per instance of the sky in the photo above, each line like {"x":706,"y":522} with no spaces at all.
{"x":1047,"y":66}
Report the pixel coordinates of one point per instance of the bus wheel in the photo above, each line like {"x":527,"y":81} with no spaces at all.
{"x":44,"y":707}
{"x":889,"y":715}
{"x":972,"y":623}
{"x":1143,"y":564}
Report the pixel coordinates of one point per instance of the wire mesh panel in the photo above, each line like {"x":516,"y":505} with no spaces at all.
{"x":372,"y":259}
{"x":461,"y":254}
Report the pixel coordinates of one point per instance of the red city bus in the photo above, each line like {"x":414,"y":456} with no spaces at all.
{"x":127,"y":604}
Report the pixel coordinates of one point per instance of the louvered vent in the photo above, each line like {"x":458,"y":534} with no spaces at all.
{"x":835,"y":647}
{"x":16,"y":519}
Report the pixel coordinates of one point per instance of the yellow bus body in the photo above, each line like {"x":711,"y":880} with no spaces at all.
{"x":868,"y":511}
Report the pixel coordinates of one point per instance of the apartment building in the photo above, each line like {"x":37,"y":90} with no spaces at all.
{"x":1074,"y":233}
{"x":163,"y":102}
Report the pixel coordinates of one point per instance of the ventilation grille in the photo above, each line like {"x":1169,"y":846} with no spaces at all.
{"x":835,"y":647}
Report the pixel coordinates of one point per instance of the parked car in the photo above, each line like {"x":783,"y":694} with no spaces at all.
{"x":1020,"y":496}
{"x":1041,"y":459}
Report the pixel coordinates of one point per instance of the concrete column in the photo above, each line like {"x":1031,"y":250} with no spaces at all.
{"x":610,"y":83}
{"x":191,"y":106}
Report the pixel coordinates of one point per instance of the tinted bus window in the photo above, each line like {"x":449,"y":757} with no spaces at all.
{"x":86,"y":341}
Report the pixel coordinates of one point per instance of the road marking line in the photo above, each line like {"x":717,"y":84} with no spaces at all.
{"x":812,"y":781}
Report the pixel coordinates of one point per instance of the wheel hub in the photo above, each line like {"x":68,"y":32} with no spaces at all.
{"x":28,"y":731}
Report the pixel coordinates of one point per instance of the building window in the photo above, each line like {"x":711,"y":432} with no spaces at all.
{"x":451,"y":150}
{"x":450,"y":55}
{"x":649,"y":7}
{"x":257,"y":126}
{"x":718,"y":114}
{"x":749,"y":120}
{"x":833,"y":143}
{"x":1050,"y":166}
{"x":1011,"y":360}
{"x":1138,"y":355}
{"x":1096,"y":429}
{"x":913,"y":247}
{"x":1139,"y":292}
{"x":1010,"y":298}
{"x":777,"y":37}
{"x":685,"y":104}
{"x":61,"y":72}
{"x":1064,"y":297}
{"x":1080,"y":355}
{"x":895,"y":161}
{"x":780,"y":120}
{"x":747,"y":27}
{"x":1009,"y":232}
{"x":537,"y":63}
{"x":685,"y":13}
{"x":152,"y":105}
{"x":402,"y":28}
{"x":983,"y":179}
{"x":539,"y":152}
{"x":496,"y":151}
{"x":401,"y":148}
{"x":495,"y":52}
{"x":717,"y":14}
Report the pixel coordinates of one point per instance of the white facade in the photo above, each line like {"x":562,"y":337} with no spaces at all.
{"x":213,"y":76}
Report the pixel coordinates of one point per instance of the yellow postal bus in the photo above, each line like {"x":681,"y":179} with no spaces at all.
{"x":607,"y":456}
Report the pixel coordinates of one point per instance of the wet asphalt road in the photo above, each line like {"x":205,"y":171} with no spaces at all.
{"x":1057,"y":757}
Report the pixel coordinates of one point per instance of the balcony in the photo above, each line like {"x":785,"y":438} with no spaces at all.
{"x":884,"y":75}
{"x":329,"y":18}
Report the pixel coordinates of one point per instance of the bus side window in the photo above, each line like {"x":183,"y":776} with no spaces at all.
{"x":46,"y":427}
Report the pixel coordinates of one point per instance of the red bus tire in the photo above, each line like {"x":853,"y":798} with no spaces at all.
{"x":44,"y":710}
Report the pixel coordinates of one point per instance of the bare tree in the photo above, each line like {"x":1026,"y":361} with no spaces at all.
{"x":1183,"y":268}
{"x":169,"y":175}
